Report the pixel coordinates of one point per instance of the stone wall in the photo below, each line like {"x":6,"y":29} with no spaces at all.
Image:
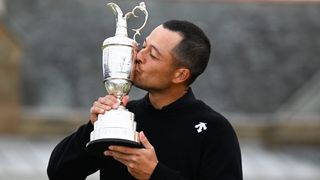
{"x":10,"y":81}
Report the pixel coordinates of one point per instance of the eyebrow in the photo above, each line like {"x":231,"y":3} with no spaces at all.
{"x":153,"y":47}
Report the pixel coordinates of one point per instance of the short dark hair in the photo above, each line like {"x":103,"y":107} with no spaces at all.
{"x":194,"y":49}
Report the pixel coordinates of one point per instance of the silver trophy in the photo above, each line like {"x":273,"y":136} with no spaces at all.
{"x":117,"y":126}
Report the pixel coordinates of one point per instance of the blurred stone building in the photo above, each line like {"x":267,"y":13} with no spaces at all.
{"x":264,"y":73}
{"x":10,"y":78}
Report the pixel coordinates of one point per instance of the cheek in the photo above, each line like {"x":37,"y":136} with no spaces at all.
{"x":157,"y":72}
{"x":162,"y":76}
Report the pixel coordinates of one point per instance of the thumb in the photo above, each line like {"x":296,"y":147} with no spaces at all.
{"x":145,"y":142}
{"x":125,"y":100}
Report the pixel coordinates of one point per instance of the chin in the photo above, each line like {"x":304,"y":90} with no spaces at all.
{"x":140,"y":86}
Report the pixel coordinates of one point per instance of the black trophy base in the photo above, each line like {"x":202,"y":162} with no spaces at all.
{"x":97,"y":147}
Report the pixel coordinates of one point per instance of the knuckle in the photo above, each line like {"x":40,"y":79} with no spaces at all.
{"x":91,"y":110}
{"x":133,"y":159}
{"x":95,"y":103}
{"x":131,"y":165}
{"x":130,"y":170}
{"x":125,"y":150}
{"x":94,"y":110}
{"x":100,"y":99}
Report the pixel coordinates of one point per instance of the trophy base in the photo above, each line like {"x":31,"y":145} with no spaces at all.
{"x":97,"y":147}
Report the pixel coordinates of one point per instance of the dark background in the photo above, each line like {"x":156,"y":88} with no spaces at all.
{"x":263,"y":53}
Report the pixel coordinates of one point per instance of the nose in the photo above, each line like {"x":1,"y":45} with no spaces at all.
{"x":140,"y":57}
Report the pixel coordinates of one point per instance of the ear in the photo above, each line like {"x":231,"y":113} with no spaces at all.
{"x":181,"y":75}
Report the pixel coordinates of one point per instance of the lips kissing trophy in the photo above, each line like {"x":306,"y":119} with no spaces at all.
{"x":117,"y":126}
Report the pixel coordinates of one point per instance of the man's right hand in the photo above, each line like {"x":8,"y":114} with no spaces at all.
{"x":104,"y":104}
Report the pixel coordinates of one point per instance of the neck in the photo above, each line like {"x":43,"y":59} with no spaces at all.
{"x":159,"y":99}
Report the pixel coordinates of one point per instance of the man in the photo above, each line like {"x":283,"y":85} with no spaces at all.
{"x":182,"y":137}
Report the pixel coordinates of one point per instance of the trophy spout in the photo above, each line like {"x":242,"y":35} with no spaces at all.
{"x":121,"y":21}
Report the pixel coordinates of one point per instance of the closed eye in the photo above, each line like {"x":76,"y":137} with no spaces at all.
{"x":150,"y":51}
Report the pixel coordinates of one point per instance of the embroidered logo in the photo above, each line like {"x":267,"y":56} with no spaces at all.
{"x":201,"y":127}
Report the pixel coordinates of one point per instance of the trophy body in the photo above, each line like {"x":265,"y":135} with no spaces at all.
{"x":117,"y":126}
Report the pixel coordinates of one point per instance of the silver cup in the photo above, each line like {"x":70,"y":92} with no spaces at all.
{"x":117,"y":126}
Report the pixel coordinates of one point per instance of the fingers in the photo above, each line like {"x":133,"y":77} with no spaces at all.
{"x":140,"y":162}
{"x":118,"y":156}
{"x":102,"y":105}
{"x":106,"y":101}
{"x":122,"y":150}
{"x":121,"y":154}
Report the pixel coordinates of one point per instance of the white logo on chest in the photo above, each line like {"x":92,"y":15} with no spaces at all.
{"x":201,"y":127}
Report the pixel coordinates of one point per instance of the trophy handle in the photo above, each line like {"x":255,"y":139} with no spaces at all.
{"x":141,"y":7}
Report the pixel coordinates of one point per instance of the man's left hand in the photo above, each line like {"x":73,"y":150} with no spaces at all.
{"x":140,"y":162}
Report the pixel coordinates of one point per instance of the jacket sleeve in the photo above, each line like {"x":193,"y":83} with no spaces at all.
{"x":162,"y":172}
{"x":220,"y":158}
{"x":69,"y":159}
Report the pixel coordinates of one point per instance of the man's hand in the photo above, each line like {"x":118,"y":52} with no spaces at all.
{"x":140,"y":162}
{"x":104,"y":104}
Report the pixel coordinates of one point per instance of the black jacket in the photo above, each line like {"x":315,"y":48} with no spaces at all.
{"x":212,"y":153}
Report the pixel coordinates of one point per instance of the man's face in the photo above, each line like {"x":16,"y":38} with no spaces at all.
{"x":155,"y":66}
